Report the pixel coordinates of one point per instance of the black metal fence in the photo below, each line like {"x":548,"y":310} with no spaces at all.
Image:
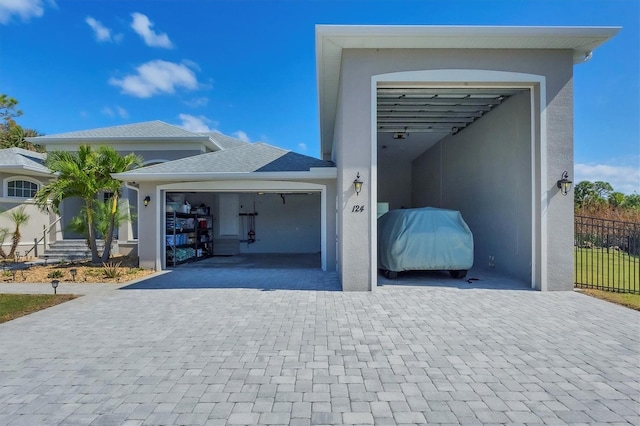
{"x":607,"y":255}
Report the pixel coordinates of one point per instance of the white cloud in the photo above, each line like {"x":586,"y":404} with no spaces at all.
{"x":123,"y":113}
{"x":102,"y":33}
{"x":119,"y":111}
{"x":302,"y":147}
{"x":142,"y":25}
{"x":25,"y":9}
{"x":197,"y":102}
{"x":199,"y":124}
{"x":156,"y":77}
{"x":242,"y":136}
{"x":625,"y":179}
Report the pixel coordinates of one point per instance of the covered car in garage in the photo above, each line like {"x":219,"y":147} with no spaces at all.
{"x":424,"y":239}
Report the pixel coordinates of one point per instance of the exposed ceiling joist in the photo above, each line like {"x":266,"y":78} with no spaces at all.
{"x":434,"y":108}
{"x":448,"y":110}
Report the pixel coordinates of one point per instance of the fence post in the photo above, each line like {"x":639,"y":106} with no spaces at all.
{"x":35,"y":245}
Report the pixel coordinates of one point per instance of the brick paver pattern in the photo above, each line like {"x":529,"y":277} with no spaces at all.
{"x":265,"y":354}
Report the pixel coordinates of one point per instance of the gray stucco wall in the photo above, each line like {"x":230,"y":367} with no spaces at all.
{"x":149,"y":226}
{"x":353,"y":140}
{"x":460,"y":173}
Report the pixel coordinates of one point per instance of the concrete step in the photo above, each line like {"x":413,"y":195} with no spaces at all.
{"x":70,"y":249}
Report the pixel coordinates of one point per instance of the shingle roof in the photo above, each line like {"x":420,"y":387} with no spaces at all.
{"x":18,"y":158}
{"x":224,"y":141}
{"x":256,"y":157}
{"x":148,"y":129}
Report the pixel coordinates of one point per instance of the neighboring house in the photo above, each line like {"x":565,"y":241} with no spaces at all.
{"x":476,"y":119}
{"x":22,"y":173}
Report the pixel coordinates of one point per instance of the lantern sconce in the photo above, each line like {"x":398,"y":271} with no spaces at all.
{"x":357,"y":184}
{"x":564,"y":184}
{"x":147,"y":200}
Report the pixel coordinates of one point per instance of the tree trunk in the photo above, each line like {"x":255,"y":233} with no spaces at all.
{"x":95,"y":258}
{"x":15,"y":240}
{"x":109,"y":237}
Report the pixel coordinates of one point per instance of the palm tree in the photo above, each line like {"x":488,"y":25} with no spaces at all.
{"x":18,"y":217}
{"x":85,"y":174}
{"x":112,"y":162}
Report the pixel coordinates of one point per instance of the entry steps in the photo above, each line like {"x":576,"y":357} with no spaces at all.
{"x":70,"y":250}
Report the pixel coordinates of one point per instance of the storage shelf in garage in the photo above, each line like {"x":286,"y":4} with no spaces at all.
{"x":181,"y":224}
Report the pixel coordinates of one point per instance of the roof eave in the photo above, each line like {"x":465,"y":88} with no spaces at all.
{"x":339,"y":37}
{"x":203,"y":140}
{"x":26,"y":169}
{"x":313,"y":174}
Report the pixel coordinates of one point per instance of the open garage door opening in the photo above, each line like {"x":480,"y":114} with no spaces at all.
{"x":464,"y":149}
{"x":258,"y":229}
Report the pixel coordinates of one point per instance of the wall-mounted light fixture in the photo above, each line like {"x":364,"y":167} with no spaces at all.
{"x":564,"y":183}
{"x":147,"y":200}
{"x":357,"y":184}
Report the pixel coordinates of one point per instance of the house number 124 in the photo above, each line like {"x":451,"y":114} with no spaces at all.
{"x":357,"y":209}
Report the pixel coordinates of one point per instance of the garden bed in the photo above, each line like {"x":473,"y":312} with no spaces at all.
{"x":117,"y":270}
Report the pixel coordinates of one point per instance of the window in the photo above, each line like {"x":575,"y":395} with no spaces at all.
{"x":21,"y":189}
{"x":106,"y":196}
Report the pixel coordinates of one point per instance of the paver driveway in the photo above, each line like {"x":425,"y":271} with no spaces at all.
{"x":294,"y":351}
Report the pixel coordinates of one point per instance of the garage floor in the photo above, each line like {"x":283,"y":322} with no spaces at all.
{"x":302,"y":267}
{"x":259,"y":261}
{"x":475,"y":279}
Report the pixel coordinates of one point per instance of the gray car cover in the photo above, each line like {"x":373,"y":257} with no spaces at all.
{"x":424,"y":239}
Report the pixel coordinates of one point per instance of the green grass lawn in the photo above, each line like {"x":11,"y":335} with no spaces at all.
{"x":607,"y":270}
{"x":625,"y":299}
{"x":16,"y":305}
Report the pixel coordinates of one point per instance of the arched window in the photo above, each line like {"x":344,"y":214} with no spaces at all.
{"x":20,"y":187}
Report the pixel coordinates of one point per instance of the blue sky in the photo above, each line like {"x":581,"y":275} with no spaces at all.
{"x":247,"y":68}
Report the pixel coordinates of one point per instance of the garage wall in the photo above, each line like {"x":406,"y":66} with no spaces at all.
{"x":394,"y":184}
{"x":485,"y":172}
{"x":353,"y":138}
{"x":292,"y":227}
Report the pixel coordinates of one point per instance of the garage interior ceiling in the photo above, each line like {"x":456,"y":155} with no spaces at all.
{"x":412,"y":119}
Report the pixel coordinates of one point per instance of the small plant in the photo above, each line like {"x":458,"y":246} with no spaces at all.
{"x":92,"y":272}
{"x":55,"y":274}
{"x":132,"y":271}
{"x":111,"y":270}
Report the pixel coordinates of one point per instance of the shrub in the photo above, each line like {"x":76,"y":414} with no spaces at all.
{"x":55,"y":274}
{"x":111,"y":269}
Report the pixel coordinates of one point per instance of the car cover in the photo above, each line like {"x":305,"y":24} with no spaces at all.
{"x":426,"y":238}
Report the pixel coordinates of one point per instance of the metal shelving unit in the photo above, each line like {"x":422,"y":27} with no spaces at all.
{"x":188,"y":237}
